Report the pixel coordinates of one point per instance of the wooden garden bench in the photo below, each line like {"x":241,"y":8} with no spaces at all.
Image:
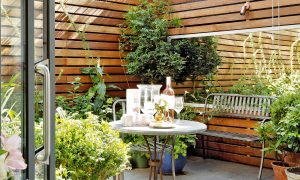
{"x":242,"y":109}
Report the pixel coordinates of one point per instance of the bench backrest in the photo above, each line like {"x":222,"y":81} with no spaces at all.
{"x":236,"y":105}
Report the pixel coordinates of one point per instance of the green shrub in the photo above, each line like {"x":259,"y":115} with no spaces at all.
{"x":257,"y":87}
{"x":94,"y":100}
{"x":282,"y":133}
{"x":200,"y":55}
{"x":282,"y":105}
{"x":151,"y":56}
{"x":87,"y":149}
{"x":182,"y":143}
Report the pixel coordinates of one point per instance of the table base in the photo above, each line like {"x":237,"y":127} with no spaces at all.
{"x":156,"y":162}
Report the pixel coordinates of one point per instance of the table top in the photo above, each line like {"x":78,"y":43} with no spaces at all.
{"x":181,"y":128}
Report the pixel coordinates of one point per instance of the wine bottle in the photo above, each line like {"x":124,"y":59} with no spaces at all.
{"x":169,"y":94}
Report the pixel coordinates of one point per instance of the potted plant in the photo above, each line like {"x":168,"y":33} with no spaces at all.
{"x":293,"y":173}
{"x":180,"y":154}
{"x":285,"y":114}
{"x":290,"y":128}
{"x":138,"y":159}
{"x":282,"y":133}
{"x":200,"y":56}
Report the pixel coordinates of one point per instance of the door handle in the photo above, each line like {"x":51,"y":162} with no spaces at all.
{"x":44,"y":155}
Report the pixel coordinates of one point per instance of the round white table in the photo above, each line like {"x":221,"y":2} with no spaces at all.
{"x":184,"y":127}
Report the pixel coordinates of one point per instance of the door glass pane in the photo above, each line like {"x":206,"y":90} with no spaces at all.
{"x":11,"y":68}
{"x":40,"y":48}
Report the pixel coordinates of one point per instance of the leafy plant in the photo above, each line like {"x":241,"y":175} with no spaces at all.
{"x":87,"y":149}
{"x":145,"y":33}
{"x":95,"y":99}
{"x":272,"y":76}
{"x":281,"y":107}
{"x":182,"y":143}
{"x":188,"y":113}
{"x":77,"y":104}
{"x":10,"y":107}
{"x":283,"y":131}
{"x":135,"y":140}
{"x":257,"y":87}
{"x":201,"y":58}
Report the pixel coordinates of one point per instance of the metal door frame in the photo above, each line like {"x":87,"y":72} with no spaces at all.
{"x":29,"y":84}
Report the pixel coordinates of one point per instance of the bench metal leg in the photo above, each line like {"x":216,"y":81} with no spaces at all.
{"x":203,"y":147}
{"x":261,"y":161}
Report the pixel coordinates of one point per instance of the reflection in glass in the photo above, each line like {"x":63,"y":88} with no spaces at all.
{"x":11,"y":68}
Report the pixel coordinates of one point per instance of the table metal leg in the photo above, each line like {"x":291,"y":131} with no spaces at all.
{"x":155,"y":158}
{"x":173,"y":158}
{"x":150,"y":153}
{"x":156,"y":163}
{"x":161,"y":156}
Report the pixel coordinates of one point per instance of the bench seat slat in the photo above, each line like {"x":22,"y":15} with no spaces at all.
{"x":236,"y":136}
{"x":240,"y":107}
{"x":216,"y":114}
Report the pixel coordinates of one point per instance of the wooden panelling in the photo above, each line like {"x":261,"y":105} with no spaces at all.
{"x":232,"y":150}
{"x":102,"y":33}
{"x":210,"y":16}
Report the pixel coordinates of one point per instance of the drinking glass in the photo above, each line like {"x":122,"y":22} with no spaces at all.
{"x":147,"y":101}
{"x":178,"y":106}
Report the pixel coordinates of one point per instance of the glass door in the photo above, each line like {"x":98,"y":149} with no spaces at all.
{"x":27,"y":82}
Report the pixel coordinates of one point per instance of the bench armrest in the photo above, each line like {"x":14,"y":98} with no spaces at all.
{"x":264,"y":121}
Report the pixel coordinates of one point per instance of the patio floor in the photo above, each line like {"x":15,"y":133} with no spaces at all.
{"x":209,"y":169}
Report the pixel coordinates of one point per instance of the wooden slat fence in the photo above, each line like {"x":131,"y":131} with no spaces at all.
{"x":102,"y":35}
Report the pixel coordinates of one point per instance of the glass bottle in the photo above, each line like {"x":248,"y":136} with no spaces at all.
{"x":169,"y":94}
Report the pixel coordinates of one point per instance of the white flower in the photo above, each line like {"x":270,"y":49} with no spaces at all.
{"x":14,"y":159}
{"x":162,"y":103}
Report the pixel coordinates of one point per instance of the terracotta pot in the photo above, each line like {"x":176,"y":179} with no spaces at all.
{"x":293,"y":173}
{"x":292,"y":157}
{"x":279,"y":169}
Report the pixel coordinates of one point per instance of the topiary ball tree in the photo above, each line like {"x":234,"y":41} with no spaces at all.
{"x":200,"y":55}
{"x":145,"y":32}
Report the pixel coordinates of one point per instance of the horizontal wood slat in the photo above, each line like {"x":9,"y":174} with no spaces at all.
{"x":97,"y":4}
{"x":234,"y":25}
{"x":242,"y":123}
{"x":103,"y":33}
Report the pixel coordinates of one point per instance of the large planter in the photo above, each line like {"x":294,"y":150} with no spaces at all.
{"x":279,"y":169}
{"x":291,"y":157}
{"x":293,"y":173}
{"x":139,"y":160}
{"x":180,"y":162}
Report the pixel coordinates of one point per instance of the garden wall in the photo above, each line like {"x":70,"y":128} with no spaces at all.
{"x":213,"y":16}
{"x":102,"y":35}
{"x":210,"y":16}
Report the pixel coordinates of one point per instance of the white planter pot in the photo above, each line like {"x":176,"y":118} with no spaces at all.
{"x":293,"y":173}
